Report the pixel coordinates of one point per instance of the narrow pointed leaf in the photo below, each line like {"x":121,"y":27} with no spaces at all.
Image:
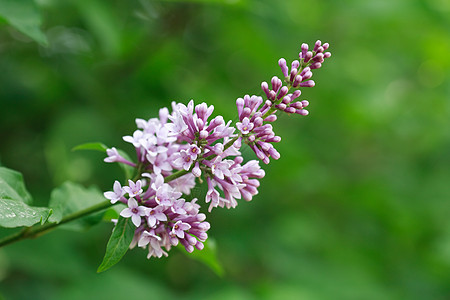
{"x":91,"y":146}
{"x":118,"y":243}
{"x":16,"y":214}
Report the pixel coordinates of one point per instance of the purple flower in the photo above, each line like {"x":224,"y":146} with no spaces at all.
{"x":179,"y":228}
{"x":134,"y":211}
{"x":184,"y":160}
{"x":117,"y":194}
{"x":134,"y":189}
{"x":246,"y":126}
{"x":154,"y":242}
{"x":154,"y":215}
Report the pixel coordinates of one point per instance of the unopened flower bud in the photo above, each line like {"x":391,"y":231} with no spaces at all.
{"x":325,"y":46}
{"x":283,"y":66}
{"x":305,"y":103}
{"x":258,"y":121}
{"x":289,"y":110}
{"x":271,"y":118}
{"x":302,"y":112}
{"x":297,"y":105}
{"x":308,"y":56}
{"x":293,"y":74}
{"x":327,"y":54}
{"x":297,"y":80}
{"x":281,"y":106}
{"x":265,"y":88}
{"x":317,"y":45}
{"x":283,"y":91}
{"x":295,"y":64}
{"x":309,"y":83}
{"x":276,"y":83}
{"x":304,"y":48}
{"x":316,"y":65}
{"x":318,"y":58}
{"x":203,"y":134}
{"x":286,"y":100}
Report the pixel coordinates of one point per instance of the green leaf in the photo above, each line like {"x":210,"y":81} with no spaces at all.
{"x":118,"y":243}
{"x":208,"y":256}
{"x":16,"y":214}
{"x":12,"y":186}
{"x":70,"y":198}
{"x":127,"y":170}
{"x":25,"y":17}
{"x":91,"y":146}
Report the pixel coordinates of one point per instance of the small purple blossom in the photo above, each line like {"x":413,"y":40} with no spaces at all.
{"x":154,"y":215}
{"x":133,"y":189}
{"x":117,"y":193}
{"x":179,"y":228}
{"x":134,"y":211}
{"x":246,"y":126}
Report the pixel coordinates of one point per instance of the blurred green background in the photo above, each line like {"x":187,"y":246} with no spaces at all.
{"x":356,"y":208}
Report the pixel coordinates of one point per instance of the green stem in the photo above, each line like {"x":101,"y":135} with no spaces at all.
{"x":31,"y":232}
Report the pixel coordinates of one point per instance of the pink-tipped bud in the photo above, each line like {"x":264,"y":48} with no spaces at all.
{"x":297,"y":105}
{"x":297,"y":80}
{"x":246,"y":112}
{"x":265,"y":88}
{"x":296,"y":94}
{"x":304,"y":48}
{"x":302,"y":112}
{"x":271,"y":118}
{"x":281,"y":106}
{"x":320,"y":49}
{"x":199,"y":246}
{"x":307,"y":75}
{"x":316,"y":65}
{"x":293,"y":74}
{"x":203,"y":134}
{"x":200,"y":124}
{"x":283,"y":66}
{"x":251,"y":138}
{"x":325,"y":46}
{"x":238,"y":159}
{"x":308,"y":56}
{"x":318,"y":58}
{"x":295,"y":64}
{"x":290,"y":110}
{"x":283,"y":91}
{"x":276,"y":84}
{"x":326,"y":54}
{"x":309,"y":83}
{"x":286,"y":100}
{"x":258,"y":122}
{"x":317,"y":45}
{"x":272,"y":95}
{"x":305,"y":103}
{"x":240,"y":106}
{"x":274,"y":153}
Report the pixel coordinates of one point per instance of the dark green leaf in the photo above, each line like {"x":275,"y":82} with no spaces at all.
{"x":70,"y":198}
{"x":118,"y":243}
{"x":25,"y":17}
{"x":208,"y":256}
{"x":12,"y":186}
{"x":16,"y":214}
{"x":91,"y":146}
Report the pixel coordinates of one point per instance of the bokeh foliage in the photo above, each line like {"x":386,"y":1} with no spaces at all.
{"x":356,"y":208}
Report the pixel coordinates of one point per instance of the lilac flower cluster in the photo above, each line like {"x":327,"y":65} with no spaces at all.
{"x":186,"y":143}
